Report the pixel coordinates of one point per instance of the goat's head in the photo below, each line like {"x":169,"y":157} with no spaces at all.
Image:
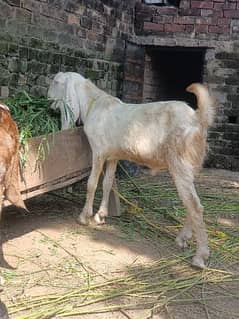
{"x":57,"y":90}
{"x":64,"y":92}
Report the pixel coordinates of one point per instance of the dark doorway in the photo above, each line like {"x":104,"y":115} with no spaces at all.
{"x":169,"y":70}
{"x":163,"y":2}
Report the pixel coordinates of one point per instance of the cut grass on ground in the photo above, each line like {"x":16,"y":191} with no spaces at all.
{"x":154,"y":212}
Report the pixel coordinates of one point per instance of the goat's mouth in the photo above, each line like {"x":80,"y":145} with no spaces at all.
{"x":55,"y":104}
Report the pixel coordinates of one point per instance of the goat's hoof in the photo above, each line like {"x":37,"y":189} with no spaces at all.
{"x":83,"y":220}
{"x":198,"y":262}
{"x":181,"y":242}
{"x":183,"y":237}
{"x":98,"y":219}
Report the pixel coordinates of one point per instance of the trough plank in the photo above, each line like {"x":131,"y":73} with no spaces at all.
{"x":66,"y":160}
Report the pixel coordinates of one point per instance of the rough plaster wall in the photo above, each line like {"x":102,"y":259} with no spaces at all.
{"x":96,"y":38}
{"x":38,"y":38}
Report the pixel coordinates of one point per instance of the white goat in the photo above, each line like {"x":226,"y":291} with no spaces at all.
{"x":161,"y":135}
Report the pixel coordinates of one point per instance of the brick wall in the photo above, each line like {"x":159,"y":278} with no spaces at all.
{"x":40,"y":37}
{"x":224,"y":137}
{"x":107,"y":40}
{"x":212,"y":25}
{"x":214,"y":19}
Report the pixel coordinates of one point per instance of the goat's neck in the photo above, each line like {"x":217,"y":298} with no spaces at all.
{"x":92,"y":95}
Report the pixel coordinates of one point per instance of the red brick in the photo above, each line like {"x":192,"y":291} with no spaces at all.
{"x":201,"y":28}
{"x":185,"y":4}
{"x":167,"y":10}
{"x":191,"y":12}
{"x":207,"y":12}
{"x":230,"y":6}
{"x":153,"y":26}
{"x":174,"y":27}
{"x":202,"y":4}
{"x":218,"y":6}
{"x":184,"y":20}
{"x":98,"y":27}
{"x":93,"y":36}
{"x":217,"y":13}
{"x":219,"y":29}
{"x":189,"y":28}
{"x":203,"y":20}
{"x":162,"y":19}
{"x":223,"y":21}
{"x":73,"y":19}
{"x":231,"y":13}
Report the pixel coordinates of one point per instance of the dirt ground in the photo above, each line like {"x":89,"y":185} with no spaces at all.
{"x":49,"y":238}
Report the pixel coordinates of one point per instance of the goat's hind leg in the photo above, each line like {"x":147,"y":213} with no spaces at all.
{"x":107,"y":186}
{"x":188,"y":194}
{"x":87,"y":212}
{"x":186,"y":233}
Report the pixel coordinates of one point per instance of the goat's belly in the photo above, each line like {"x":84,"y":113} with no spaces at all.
{"x":154,"y":160}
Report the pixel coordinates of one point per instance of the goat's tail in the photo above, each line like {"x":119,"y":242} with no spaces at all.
{"x":205,"y":103}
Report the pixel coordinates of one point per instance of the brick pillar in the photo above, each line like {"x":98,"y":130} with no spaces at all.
{"x":133,"y":78}
{"x":133,"y":81}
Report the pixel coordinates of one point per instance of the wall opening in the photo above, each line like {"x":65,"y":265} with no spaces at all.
{"x":232,"y":119}
{"x":169,"y":70}
{"x":163,"y":2}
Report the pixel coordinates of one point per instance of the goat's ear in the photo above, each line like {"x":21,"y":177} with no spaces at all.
{"x":69,"y":88}
{"x":71,"y":97}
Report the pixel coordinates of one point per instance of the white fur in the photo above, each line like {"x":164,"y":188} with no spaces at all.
{"x":161,"y":135}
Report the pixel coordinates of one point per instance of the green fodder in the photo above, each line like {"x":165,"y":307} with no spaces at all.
{"x":32,"y":115}
{"x":156,"y":210}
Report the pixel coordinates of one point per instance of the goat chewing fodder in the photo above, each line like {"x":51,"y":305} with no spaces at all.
{"x":161,"y":135}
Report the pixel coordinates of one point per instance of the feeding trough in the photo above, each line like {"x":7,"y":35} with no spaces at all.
{"x":55,"y":161}
{"x":50,"y":158}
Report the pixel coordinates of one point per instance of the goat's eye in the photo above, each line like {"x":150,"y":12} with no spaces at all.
{"x":59,"y":82}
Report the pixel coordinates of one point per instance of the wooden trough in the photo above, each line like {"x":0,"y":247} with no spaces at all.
{"x":58,"y":160}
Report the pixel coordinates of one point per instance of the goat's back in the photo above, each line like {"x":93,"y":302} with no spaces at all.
{"x":153,"y":133}
{"x":138,"y":132}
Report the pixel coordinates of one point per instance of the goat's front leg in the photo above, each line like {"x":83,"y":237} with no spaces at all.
{"x":87,"y":212}
{"x":188,"y":194}
{"x":186,"y":233}
{"x":107,"y":186}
